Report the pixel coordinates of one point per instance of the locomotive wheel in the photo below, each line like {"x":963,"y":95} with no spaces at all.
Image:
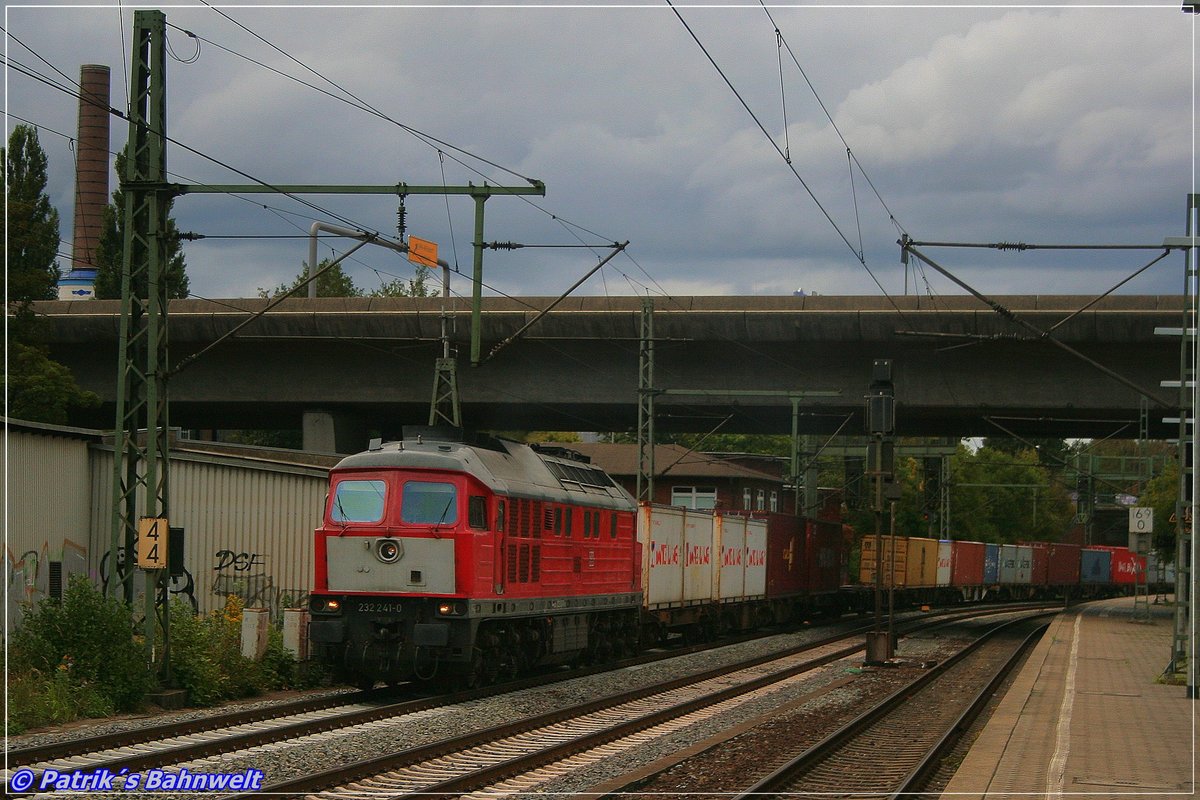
{"x":474,"y":677}
{"x":507,"y":663}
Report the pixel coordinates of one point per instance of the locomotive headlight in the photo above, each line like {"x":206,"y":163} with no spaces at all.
{"x":388,"y":550}
{"x":324,"y":605}
{"x":451,"y":609}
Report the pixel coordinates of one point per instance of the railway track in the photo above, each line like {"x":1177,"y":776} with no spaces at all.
{"x":892,"y":748}
{"x":208,"y":737}
{"x":524,"y":754}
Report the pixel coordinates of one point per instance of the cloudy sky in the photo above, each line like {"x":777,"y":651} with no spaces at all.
{"x":1043,"y":124}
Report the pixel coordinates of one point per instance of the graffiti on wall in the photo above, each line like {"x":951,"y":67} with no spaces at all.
{"x":27,"y":576}
{"x":181,"y":586}
{"x":245,"y":576}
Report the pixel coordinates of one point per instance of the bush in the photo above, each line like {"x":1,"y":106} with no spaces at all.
{"x":35,"y":700}
{"x":281,"y":670}
{"x":206,"y":654}
{"x":83,"y":647}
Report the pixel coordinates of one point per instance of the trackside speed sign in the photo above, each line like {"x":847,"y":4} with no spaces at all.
{"x":1141,"y":520}
{"x":1141,"y":525}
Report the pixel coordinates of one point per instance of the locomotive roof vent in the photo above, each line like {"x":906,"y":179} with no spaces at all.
{"x":433,"y":433}
{"x":561,"y":452}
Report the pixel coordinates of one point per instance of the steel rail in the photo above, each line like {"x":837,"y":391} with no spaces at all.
{"x":929,"y":764}
{"x":775,"y":782}
{"x":44,"y":755}
{"x":24,"y":756}
{"x":376,"y":766}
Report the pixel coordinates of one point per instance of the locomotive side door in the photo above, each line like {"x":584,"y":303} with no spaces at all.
{"x":498,"y":554}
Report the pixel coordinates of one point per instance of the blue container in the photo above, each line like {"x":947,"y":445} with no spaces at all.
{"x":991,"y":564}
{"x":1095,"y":566}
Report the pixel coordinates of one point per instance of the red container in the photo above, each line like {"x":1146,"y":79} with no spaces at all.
{"x":967,"y":569}
{"x":1064,"y":565}
{"x":787,"y":559}
{"x":824,"y":556}
{"x":1041,"y":564}
{"x":1126,"y":565}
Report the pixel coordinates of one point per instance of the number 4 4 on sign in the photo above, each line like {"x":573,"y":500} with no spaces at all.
{"x":152,"y":542}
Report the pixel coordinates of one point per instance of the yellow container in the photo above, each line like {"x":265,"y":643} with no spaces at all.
{"x":894,"y":560}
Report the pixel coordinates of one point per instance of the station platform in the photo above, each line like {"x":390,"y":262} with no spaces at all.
{"x":1086,"y":715}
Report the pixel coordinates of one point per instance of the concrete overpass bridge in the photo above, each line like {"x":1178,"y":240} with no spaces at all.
{"x":960,"y":368}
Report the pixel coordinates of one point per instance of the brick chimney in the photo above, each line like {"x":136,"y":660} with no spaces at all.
{"x":91,"y":181}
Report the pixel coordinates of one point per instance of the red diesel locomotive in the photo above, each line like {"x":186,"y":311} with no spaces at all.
{"x":445,"y":560}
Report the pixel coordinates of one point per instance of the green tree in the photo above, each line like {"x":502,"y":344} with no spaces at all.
{"x":416,"y":286}
{"x":110,"y":251}
{"x":40,"y":389}
{"x":1000,"y":496}
{"x":37,"y":388}
{"x":1052,"y":452}
{"x":30,"y":222}
{"x":1160,"y":493}
{"x":333,"y":282}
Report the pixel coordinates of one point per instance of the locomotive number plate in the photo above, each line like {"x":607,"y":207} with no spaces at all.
{"x":379,"y":608}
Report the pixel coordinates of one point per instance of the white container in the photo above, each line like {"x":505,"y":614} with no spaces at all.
{"x":741,"y":558}
{"x":945,"y":562}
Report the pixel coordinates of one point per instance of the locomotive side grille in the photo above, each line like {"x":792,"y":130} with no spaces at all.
{"x":537,"y":519}
{"x":526,"y":523}
{"x":535,"y":568}
{"x":512,"y":563}
{"x":523,"y":577}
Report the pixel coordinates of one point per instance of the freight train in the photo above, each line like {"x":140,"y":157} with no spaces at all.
{"x":471,"y":562}
{"x":946,"y":571}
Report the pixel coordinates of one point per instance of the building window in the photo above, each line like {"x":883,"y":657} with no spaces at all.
{"x":774,"y":501}
{"x":761,"y":505}
{"x":694,"y":496}
{"x":746,"y":499}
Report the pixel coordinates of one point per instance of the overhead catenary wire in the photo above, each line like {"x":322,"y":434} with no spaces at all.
{"x":1041,"y":334}
{"x":828,"y":116}
{"x":362,"y":104}
{"x":566,"y":223}
{"x":355,"y":101}
{"x":858,"y":255}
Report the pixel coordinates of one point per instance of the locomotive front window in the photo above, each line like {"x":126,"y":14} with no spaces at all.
{"x":427,"y":503}
{"x":358,"y":501}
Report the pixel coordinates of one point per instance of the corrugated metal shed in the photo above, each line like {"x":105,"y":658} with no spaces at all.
{"x":248,"y":525}
{"x":48,"y":509}
{"x":248,"y":515}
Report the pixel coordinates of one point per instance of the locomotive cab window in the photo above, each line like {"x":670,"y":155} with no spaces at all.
{"x":429,"y":503}
{"x":477,"y":513}
{"x":358,"y":501}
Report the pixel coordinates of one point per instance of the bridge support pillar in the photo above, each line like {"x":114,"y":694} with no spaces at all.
{"x":332,"y":432}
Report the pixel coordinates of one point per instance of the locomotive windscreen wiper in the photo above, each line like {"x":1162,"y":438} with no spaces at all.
{"x":442,"y":518}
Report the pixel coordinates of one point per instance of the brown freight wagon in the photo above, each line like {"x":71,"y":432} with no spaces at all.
{"x":787,"y":573}
{"x":824,"y":554}
{"x":1063,"y":569}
